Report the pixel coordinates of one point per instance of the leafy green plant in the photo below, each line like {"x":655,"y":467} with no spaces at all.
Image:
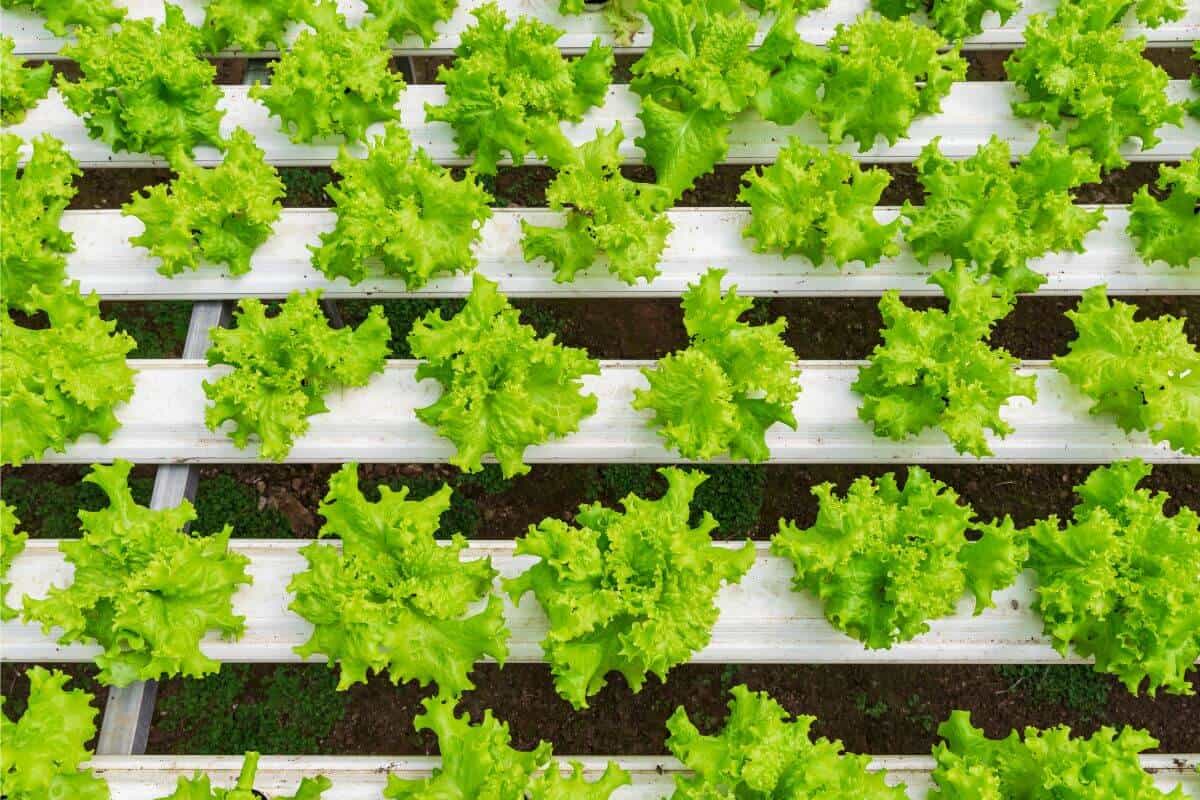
{"x":729,"y":386}
{"x":510,"y":87}
{"x":1144,"y":372}
{"x":145,"y":90}
{"x":59,"y":14}
{"x":333,"y":80}
{"x":763,"y":751}
{"x":819,"y":203}
{"x":885,"y":559}
{"x":953,"y":19}
{"x":63,"y":381}
{"x":21,"y":88}
{"x":1118,"y":583}
{"x":222,"y":499}
{"x":401,"y":17}
{"x":143,"y":589}
{"x":12,"y":544}
{"x":32,"y":243}
{"x":198,"y":787}
{"x":397,"y":206}
{"x":733,"y":493}
{"x":50,"y":510}
{"x":283,"y":366}
{"x":43,"y":750}
{"x":219,"y":215}
{"x":391,"y":584}
{"x":250,"y":25}
{"x":935,"y":368}
{"x":503,"y":388}
{"x":623,"y":16}
{"x":1169,"y":229}
{"x":631,"y":591}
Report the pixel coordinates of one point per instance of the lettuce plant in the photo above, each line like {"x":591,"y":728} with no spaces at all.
{"x":623,"y":16}
{"x":796,"y":70}
{"x":479,"y":761}
{"x":59,"y":14}
{"x":60,"y":382}
{"x":220,"y":215}
{"x":334,"y":80}
{"x":1151,"y":13}
{"x":146,"y":90}
{"x":391,"y":584}
{"x":1169,"y":229}
{"x":992,"y":216}
{"x":397,"y":206}
{"x":32,"y":243}
{"x":12,"y":544}
{"x":198,"y":787}
{"x":1143,"y":372}
{"x":954,"y":19}
{"x":503,"y":388}
{"x":885,"y":559}
{"x":1118,"y":582}
{"x":143,"y":589}
{"x":631,"y":590}
{"x":762,"y":751}
{"x":818,"y":203}
{"x":510,"y":87}
{"x":402,"y":17}
{"x":250,"y":25}
{"x":1041,"y":764}
{"x":21,"y":87}
{"x":732,"y":382}
{"x":44,"y":749}
{"x":605,"y":213}
{"x":284,"y":365}
{"x":1077,"y":66}
{"x":935,"y":368}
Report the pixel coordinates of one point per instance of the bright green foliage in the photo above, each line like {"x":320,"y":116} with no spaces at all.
{"x":797,"y":69}
{"x":146,"y":90}
{"x":97,"y":14}
{"x":1119,"y":581}
{"x":510,"y":87}
{"x":623,"y":15}
{"x":11,"y":546}
{"x":1169,"y":230}
{"x":765,"y":752}
{"x":1041,"y":765}
{"x":283,"y":367}
{"x":31,"y":242}
{"x":392,"y":598}
{"x":1076,"y":66}
{"x":478,"y":761}
{"x":1194,"y":106}
{"x":1151,"y":13}
{"x":44,"y":748}
{"x":219,"y":215}
{"x":954,"y":19}
{"x":733,"y":382}
{"x":992,"y":217}
{"x":1145,"y":372}
{"x":198,"y":786}
{"x":819,"y":203}
{"x":402,"y":17}
{"x":397,"y":206}
{"x":503,"y":388}
{"x":250,"y":25}
{"x":631,"y":591}
{"x":21,"y":88}
{"x":605,"y":213}
{"x":143,"y":589}
{"x":334,"y":80}
{"x":63,"y":381}
{"x":885,"y":559}
{"x":935,"y":368}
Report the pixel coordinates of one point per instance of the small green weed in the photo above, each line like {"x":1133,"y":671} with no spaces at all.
{"x":871,"y":709}
{"x":1076,"y":687}
{"x":222,"y":500}
{"x":158,"y":328}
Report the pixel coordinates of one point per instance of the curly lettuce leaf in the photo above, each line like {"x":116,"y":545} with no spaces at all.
{"x":992,"y":216}
{"x":885,"y":559}
{"x":333,"y":81}
{"x":402,"y":17}
{"x":1079,"y":70}
{"x":21,"y":87}
{"x":198,"y":787}
{"x":143,"y":589}
{"x":732,"y":383}
{"x":59,"y":14}
{"x":220,"y":215}
{"x":762,"y":751}
{"x":43,"y":750}
{"x":251,"y":26}
{"x":936,"y":369}
{"x":510,"y":87}
{"x":284,"y":365}
{"x":1151,"y":13}
{"x":953,"y":19}
{"x":819,"y":203}
{"x":503,"y":388}
{"x":1144,"y":372}
{"x":397,"y":206}
{"x":1169,"y":229}
{"x":631,"y":591}
{"x":32,"y":243}
{"x":146,"y":90}
{"x":606,"y":213}
{"x":60,"y":382}
{"x":623,"y":16}
{"x":12,"y":544}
